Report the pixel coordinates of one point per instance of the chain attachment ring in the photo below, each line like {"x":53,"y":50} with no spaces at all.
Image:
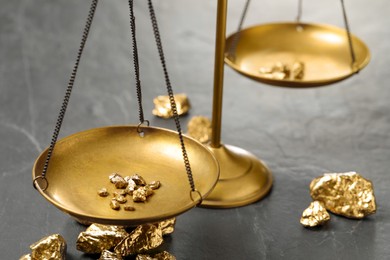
{"x":35,"y":181}
{"x":139,"y":127}
{"x":199,"y":194}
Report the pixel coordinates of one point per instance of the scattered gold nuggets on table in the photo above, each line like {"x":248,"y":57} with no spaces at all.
{"x":282,"y":71}
{"x":199,"y":127}
{"x":50,"y":247}
{"x":315,"y":215}
{"x":347,"y":194}
{"x":162,"y":106}
{"x":134,"y":186}
{"x":98,"y":238}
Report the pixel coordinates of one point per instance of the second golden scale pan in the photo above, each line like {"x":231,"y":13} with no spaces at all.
{"x":323,"y":49}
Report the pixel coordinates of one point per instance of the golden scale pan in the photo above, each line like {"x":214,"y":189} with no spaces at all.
{"x":326,"y":52}
{"x":80,"y":164}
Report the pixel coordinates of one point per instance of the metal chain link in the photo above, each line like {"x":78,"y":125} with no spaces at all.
{"x":136,"y":62}
{"x":170,"y":93}
{"x":68,"y":90}
{"x":352,"y":51}
{"x":236,"y":39}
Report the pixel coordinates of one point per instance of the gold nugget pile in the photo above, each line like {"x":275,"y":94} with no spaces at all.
{"x":346,"y":194}
{"x":283,"y":71}
{"x":134,"y":186}
{"x":115,"y":242}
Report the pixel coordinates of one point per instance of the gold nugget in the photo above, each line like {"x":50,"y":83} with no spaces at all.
{"x":160,"y":256}
{"x":121,"y":199}
{"x":131,"y":186}
{"x":298,"y":70}
{"x":154,"y":185}
{"x":115,"y":205}
{"x":51,"y":247}
{"x":128,"y":208}
{"x":107,"y":255}
{"x":347,"y":194}
{"x":26,"y":257}
{"x":199,"y":127}
{"x":99,"y":237}
{"x":138,"y":180}
{"x":315,"y":215}
{"x":143,"y":238}
{"x":118,"y":180}
{"x":103,"y":192}
{"x":162,"y":105}
{"x":167,"y":226}
{"x":139,"y":195}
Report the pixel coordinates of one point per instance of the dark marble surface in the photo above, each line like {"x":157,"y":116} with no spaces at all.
{"x":299,"y":133}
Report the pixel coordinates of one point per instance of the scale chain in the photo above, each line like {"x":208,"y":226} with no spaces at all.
{"x":136,"y":62}
{"x":236,"y":39}
{"x":352,"y":51}
{"x":170,"y":93}
{"x":68,"y":93}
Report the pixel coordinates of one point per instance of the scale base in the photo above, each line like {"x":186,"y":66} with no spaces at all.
{"x":243,"y":179}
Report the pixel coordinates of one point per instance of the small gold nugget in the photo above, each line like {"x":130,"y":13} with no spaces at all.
{"x":128,"y":208}
{"x":103,"y":192}
{"x":167,"y":226}
{"x":315,"y":215}
{"x":26,"y":257}
{"x":139,"y":195}
{"x":138,"y":180}
{"x":121,"y":199}
{"x":154,"y":185}
{"x":118,"y":180}
{"x":107,"y":255}
{"x":298,"y":70}
{"x":160,"y":256}
{"x":115,"y":205}
{"x":51,"y":247}
{"x":199,"y":127}
{"x":119,"y":193}
{"x":162,"y":105}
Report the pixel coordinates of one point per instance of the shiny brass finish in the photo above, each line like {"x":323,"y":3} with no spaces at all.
{"x":243,"y":180}
{"x":216,"y":119}
{"x":81,"y":164}
{"x":324,"y":50}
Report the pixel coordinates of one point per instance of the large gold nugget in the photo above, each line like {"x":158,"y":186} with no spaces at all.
{"x":107,"y":255}
{"x":162,"y":106}
{"x":99,"y":237}
{"x":51,"y":247}
{"x":347,"y":194}
{"x":167,"y":226}
{"x":199,"y":127}
{"x":26,"y":257}
{"x":143,"y":238}
{"x":164,"y":255}
{"x":315,"y":215}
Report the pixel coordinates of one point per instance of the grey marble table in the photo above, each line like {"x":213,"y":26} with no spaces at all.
{"x":299,"y":133}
